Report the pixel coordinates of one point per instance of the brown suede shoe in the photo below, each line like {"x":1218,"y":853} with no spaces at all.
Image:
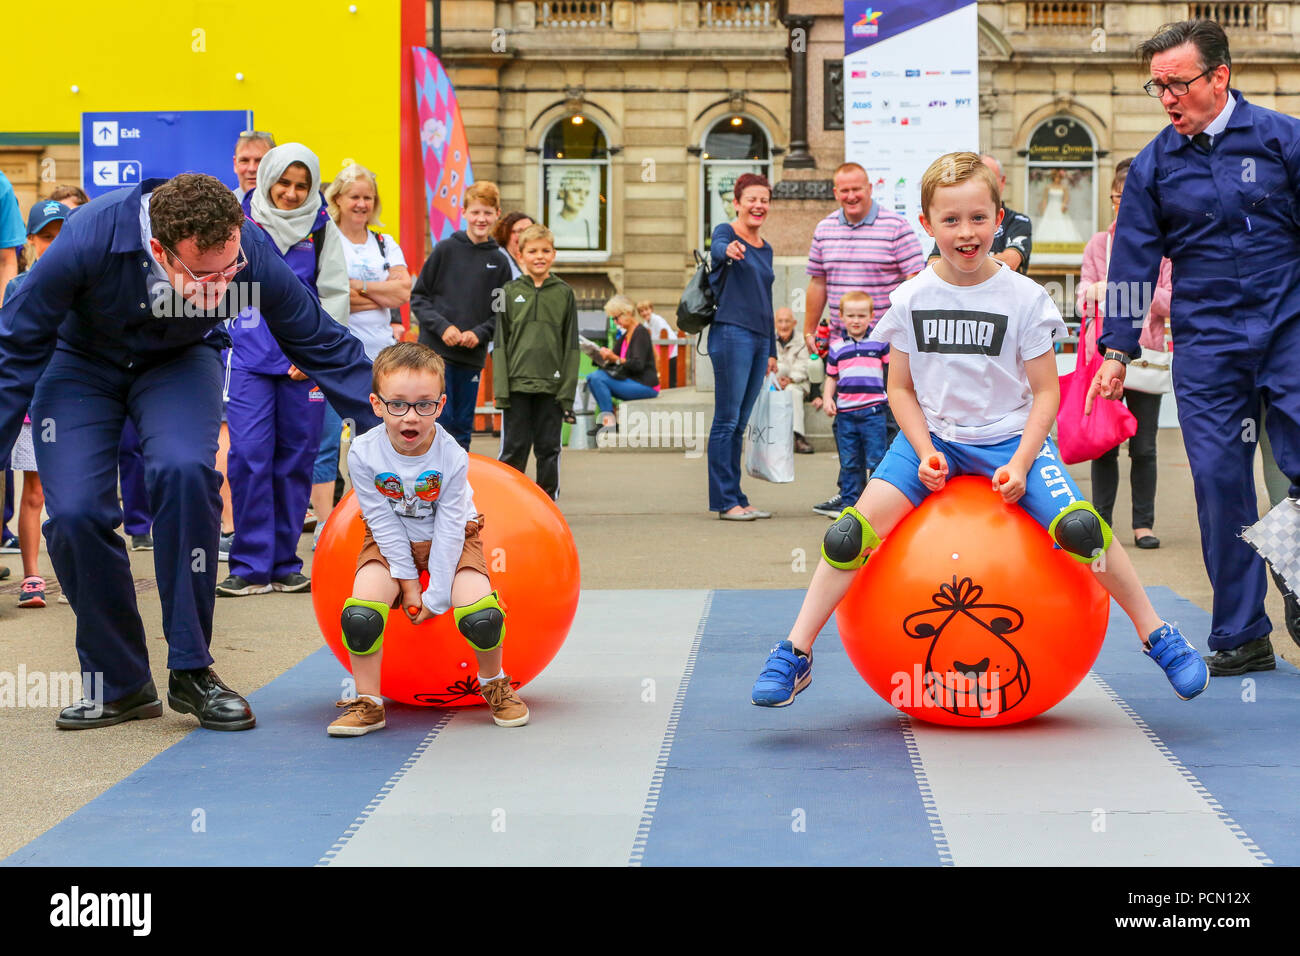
{"x":507,"y":709}
{"x":361,"y":717}
{"x":801,"y":445}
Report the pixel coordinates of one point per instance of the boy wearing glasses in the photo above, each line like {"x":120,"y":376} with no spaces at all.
{"x":411,"y":482}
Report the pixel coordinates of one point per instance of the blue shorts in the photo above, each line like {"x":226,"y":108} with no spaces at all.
{"x":1049,"y":489}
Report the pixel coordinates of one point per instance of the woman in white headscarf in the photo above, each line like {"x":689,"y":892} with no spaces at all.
{"x":274,"y":413}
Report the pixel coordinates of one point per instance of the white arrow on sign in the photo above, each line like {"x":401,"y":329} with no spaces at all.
{"x":105,"y":173}
{"x":104,"y":132}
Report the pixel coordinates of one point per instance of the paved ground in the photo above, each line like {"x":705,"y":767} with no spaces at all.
{"x":639,"y":523}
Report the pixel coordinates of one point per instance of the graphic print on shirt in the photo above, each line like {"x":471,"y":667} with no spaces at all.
{"x":428,"y":485}
{"x":959,"y":331}
{"x":419,"y":505}
{"x":389,"y":485}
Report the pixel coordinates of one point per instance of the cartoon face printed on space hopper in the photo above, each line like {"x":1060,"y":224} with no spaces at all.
{"x":971,"y":669}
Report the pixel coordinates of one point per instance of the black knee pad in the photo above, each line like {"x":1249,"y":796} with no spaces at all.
{"x":483,"y":623}
{"x":363,"y":626}
{"x":1081,"y":532}
{"x":849,"y":540}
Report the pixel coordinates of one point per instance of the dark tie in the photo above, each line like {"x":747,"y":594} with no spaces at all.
{"x":1203,"y":142}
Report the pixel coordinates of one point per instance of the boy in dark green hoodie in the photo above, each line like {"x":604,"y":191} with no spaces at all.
{"x":535,"y":360}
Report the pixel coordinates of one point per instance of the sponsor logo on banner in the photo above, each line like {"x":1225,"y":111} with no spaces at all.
{"x":867,"y":25}
{"x":934,"y":72}
{"x":963,"y":101}
{"x":913,"y":72}
{"x":860,"y":74}
{"x":861,"y":104}
{"x":961,"y":72}
{"x":938,"y":103}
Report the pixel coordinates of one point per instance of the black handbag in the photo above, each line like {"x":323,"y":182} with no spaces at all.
{"x":698,"y":305}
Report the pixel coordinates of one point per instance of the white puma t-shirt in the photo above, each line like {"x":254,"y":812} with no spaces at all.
{"x":967,"y":347}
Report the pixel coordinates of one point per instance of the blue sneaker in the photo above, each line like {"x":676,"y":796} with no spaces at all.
{"x":785,"y":674}
{"x":1184,"y":667}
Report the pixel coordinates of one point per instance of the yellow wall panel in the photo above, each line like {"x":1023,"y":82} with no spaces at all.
{"x":313,"y":72}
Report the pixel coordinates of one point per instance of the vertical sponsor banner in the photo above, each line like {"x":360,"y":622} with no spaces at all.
{"x":911,"y":93}
{"x":121,"y":148}
{"x":444,"y":146}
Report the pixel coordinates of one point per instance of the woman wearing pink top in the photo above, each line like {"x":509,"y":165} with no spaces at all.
{"x":1145,"y":406}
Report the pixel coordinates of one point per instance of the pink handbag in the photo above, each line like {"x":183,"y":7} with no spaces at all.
{"x":1085,"y":437}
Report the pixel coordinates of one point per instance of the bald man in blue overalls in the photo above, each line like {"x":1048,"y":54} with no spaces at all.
{"x":148,"y":274}
{"x":1216,"y":192}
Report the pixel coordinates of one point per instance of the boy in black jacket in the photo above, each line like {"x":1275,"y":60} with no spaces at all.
{"x":535,"y":361}
{"x":453,"y":300}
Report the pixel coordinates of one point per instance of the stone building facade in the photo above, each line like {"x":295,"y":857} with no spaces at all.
{"x":665,"y":81}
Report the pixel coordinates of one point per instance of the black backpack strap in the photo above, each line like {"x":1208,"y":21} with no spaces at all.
{"x":318,"y":243}
{"x":379,"y":239}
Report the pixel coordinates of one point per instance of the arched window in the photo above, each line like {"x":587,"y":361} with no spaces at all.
{"x":732,"y":146}
{"x":575,"y":187}
{"x":1061,"y":189}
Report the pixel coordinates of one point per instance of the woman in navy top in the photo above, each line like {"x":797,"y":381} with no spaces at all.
{"x":742,"y":340}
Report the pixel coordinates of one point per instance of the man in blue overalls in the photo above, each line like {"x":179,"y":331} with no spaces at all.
{"x":1216,"y":192}
{"x":149,"y":273}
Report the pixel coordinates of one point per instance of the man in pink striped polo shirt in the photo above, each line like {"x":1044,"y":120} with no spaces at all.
{"x":859,"y":246}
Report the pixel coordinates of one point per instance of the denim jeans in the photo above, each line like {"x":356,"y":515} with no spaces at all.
{"x":603,"y":385}
{"x":461,"y":385}
{"x":739,"y":359}
{"x":326,"y":468}
{"x":860,"y":441}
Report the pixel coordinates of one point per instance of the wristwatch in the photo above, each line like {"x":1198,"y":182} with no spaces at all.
{"x":1115,"y":355}
{"x":363,"y":286}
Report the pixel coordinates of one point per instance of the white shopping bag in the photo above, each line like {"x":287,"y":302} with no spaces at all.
{"x":769,"y":439}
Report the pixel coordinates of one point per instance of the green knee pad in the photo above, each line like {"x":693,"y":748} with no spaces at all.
{"x":849,"y":540}
{"x":1081,"y":532}
{"x":483,"y":623}
{"x":363,"y":626}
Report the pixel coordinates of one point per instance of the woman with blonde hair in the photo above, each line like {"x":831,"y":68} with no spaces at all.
{"x":626,"y":371}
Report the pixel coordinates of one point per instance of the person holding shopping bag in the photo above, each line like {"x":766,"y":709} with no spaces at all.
{"x":1144,"y":404}
{"x":742,"y":340}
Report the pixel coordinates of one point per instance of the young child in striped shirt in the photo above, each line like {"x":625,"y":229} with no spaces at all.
{"x":855,"y":398}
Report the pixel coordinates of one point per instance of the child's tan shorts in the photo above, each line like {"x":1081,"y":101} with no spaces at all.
{"x":471,"y":556}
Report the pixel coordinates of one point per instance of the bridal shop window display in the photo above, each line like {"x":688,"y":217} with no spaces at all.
{"x":1062,"y":190}
{"x":575,"y":188}
{"x":733,"y":146}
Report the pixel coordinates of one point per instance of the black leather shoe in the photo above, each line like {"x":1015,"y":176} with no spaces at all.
{"x":87,"y":714}
{"x":1254,"y":655}
{"x":202,"y":694}
{"x":1147,"y":542}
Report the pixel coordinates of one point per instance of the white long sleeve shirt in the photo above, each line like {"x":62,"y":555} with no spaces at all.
{"x":408,"y":498}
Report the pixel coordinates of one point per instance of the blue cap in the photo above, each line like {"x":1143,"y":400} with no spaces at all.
{"x":44,"y":212}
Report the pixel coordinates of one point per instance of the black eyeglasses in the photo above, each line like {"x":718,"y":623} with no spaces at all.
{"x":1176,"y":87}
{"x":424,"y":409}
